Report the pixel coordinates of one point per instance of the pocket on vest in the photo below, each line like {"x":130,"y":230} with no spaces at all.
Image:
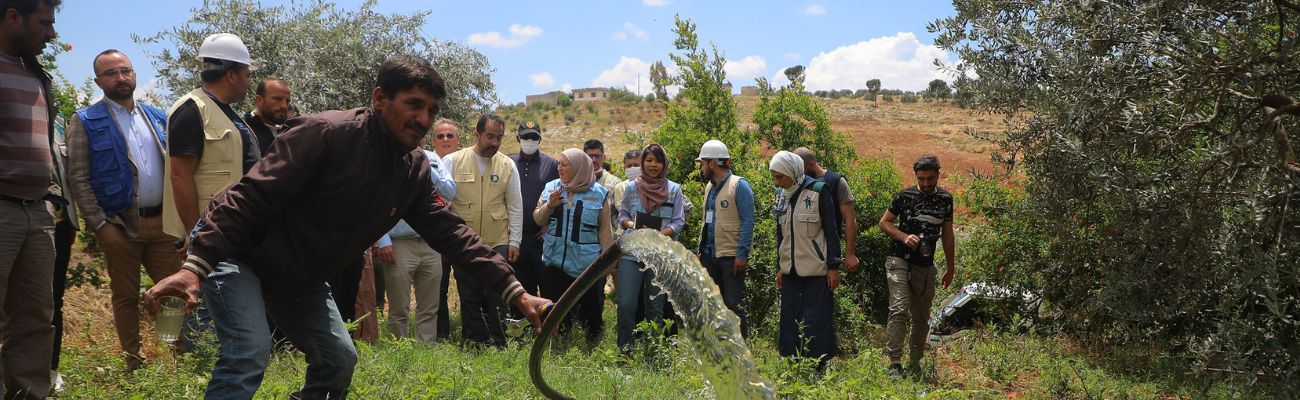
{"x":102,"y":157}
{"x":208,"y":183}
{"x":810,"y":223}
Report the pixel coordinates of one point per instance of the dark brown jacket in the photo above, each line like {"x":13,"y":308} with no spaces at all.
{"x":331,"y":185}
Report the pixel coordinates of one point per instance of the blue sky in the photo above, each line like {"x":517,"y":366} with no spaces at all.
{"x":538,"y":46}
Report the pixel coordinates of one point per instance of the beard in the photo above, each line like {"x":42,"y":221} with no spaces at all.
{"x":120,"y":92}
{"x":276,"y":117}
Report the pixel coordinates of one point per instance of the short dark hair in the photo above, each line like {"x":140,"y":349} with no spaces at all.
{"x":404,"y":71}
{"x":634,"y":153}
{"x":806,"y":154}
{"x":928,"y":162}
{"x":215,"y":68}
{"x":261,"y":85}
{"x":27,"y":7}
{"x":101,"y":54}
{"x":483,"y":121}
{"x":593,"y":144}
{"x":656,"y":150}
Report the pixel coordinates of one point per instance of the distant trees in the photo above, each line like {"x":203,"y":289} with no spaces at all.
{"x":659,"y":78}
{"x":938,"y":90}
{"x":796,"y":75}
{"x":624,"y":96}
{"x":873,"y":88}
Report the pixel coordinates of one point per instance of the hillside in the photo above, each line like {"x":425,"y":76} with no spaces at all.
{"x":898,"y":131}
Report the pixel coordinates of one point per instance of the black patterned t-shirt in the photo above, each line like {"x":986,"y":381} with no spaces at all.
{"x":922,"y":214}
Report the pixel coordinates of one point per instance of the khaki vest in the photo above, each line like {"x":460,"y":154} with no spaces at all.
{"x":803,"y":244}
{"x":221,"y":165}
{"x":481,"y":198}
{"x":726,"y":218}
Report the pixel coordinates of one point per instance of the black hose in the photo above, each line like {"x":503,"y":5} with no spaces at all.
{"x":551,"y":324}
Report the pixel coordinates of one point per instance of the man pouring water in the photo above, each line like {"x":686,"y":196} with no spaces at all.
{"x":330,"y":185}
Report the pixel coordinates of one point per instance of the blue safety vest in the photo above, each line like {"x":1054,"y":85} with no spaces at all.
{"x":112,"y":175}
{"x":572,"y":240}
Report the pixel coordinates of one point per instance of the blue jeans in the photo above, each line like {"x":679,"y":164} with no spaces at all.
{"x":731,"y":285}
{"x":632,"y":283}
{"x":239,"y":311}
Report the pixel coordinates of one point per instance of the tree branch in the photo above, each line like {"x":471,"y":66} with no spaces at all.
{"x":1283,"y":142}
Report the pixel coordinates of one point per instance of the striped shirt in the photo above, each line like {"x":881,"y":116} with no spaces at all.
{"x":25,"y":166}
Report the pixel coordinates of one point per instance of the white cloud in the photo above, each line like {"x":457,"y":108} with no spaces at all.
{"x":519,"y":35}
{"x":900,"y":62}
{"x":542,"y":80}
{"x":566,"y":87}
{"x":631,"y":72}
{"x":814,"y":9}
{"x":631,"y":30}
{"x":778,"y":79}
{"x":656,"y":3}
{"x":745,"y":68}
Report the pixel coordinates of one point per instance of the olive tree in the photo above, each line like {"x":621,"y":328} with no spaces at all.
{"x":329,"y":56}
{"x":1158,"y":171}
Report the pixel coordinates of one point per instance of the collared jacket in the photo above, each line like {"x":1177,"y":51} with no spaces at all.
{"x":534,"y":174}
{"x":331,"y":185}
{"x":100,"y":168}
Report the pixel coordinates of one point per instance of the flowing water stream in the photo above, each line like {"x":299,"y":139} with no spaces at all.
{"x":712,"y":330}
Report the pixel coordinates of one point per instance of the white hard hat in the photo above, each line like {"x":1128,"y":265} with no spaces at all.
{"x":225,"y":46}
{"x":713,"y":150}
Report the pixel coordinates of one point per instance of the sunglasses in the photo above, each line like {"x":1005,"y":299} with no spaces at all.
{"x":530,"y":136}
{"x":445,"y":136}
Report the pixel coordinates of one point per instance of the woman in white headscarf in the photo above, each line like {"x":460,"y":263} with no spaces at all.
{"x":577,"y":230}
{"x":808,"y":255}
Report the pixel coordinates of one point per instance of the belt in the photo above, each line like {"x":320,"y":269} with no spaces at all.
{"x":149,"y":212}
{"x":20,"y":200}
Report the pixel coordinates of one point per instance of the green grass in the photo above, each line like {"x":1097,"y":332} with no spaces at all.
{"x":979,"y":366}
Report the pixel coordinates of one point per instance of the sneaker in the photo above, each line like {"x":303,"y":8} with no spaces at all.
{"x":56,"y":381}
{"x":895,"y":371}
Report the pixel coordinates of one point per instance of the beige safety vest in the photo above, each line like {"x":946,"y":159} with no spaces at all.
{"x":803,"y":244}
{"x":221,"y":165}
{"x":726,"y":218}
{"x":481,"y":198}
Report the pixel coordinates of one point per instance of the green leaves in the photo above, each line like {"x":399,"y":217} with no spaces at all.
{"x":329,"y":56}
{"x":1159,"y":195}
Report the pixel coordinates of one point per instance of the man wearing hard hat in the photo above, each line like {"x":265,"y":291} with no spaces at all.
{"x":209,"y":145}
{"x":727,"y":234}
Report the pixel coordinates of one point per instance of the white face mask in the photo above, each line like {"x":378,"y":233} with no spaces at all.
{"x":633,"y":172}
{"x":529,"y":146}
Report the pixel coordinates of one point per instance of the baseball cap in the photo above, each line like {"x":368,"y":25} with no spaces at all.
{"x":529,"y":130}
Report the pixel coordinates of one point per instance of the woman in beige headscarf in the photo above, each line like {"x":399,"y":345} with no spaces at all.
{"x":577,"y":230}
